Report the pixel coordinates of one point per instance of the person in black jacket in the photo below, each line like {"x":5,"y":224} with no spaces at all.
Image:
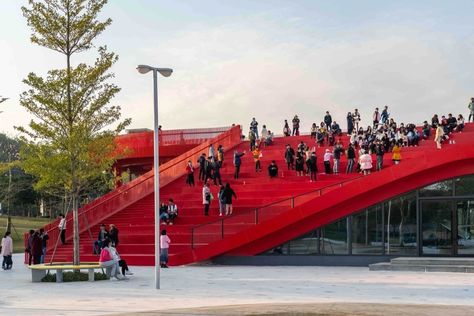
{"x":202,"y":166}
{"x":114,"y":235}
{"x":208,"y":167}
{"x":379,"y":152}
{"x":313,"y":166}
{"x":217,"y":173}
{"x":227,"y":196}
{"x":328,"y":120}
{"x":338,"y":151}
{"x":273,"y":170}
{"x":290,"y":157}
{"x":350,"y":158}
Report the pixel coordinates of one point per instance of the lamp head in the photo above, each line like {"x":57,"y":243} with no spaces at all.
{"x":143,"y":69}
{"x":165,"y":72}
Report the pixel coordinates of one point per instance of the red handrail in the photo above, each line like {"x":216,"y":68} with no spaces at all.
{"x":255,"y":214}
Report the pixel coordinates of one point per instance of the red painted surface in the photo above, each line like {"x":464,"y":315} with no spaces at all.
{"x":277,"y":223}
{"x":137,"y":148}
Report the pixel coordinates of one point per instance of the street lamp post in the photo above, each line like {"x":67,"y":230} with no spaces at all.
{"x":165,"y":72}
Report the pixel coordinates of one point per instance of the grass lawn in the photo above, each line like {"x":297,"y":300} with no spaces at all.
{"x":22,"y":225}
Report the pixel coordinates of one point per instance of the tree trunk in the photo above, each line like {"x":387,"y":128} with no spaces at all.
{"x":75,"y":215}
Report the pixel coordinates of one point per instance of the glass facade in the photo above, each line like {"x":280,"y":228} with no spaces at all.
{"x":436,"y":220}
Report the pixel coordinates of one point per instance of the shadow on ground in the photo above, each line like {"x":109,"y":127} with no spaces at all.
{"x":326,"y":309}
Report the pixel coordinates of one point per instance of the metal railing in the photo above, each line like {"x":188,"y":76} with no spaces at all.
{"x":206,"y":233}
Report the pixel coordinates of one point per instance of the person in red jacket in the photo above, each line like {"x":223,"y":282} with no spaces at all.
{"x":36,"y":248}
{"x":190,"y":174}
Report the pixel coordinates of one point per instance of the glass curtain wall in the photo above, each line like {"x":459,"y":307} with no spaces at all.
{"x":436,"y":220}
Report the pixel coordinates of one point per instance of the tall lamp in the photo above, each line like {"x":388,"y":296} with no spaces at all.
{"x":165,"y":72}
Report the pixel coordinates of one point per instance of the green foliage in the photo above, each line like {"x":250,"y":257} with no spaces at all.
{"x":71,"y":276}
{"x":21,"y":225}
{"x":68,"y":146}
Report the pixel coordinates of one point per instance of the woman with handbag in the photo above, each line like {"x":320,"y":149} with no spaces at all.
{"x":206,"y":198}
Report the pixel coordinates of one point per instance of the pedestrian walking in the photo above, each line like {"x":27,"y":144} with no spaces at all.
{"x":7,"y":251}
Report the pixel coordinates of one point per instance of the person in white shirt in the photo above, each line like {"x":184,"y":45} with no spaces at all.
{"x":7,"y":250}
{"x":62,"y":228}
{"x":327,"y":161}
{"x":172,"y":211}
{"x":165,"y":242}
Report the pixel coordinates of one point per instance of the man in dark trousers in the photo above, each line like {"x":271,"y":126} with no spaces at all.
{"x":208,"y":169}
{"x":313,"y":166}
{"x":328,"y":120}
{"x":237,"y":163}
{"x":217,"y":173}
{"x":202,"y":164}
{"x":379,"y":152}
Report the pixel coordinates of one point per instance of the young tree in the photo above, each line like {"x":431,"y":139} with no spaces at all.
{"x":68,"y":143}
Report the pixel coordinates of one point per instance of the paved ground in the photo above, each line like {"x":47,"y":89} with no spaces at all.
{"x":217,"y":289}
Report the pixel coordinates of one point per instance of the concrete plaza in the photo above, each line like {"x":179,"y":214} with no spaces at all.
{"x":218,"y":286}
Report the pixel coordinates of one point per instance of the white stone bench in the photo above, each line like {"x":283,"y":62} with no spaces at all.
{"x":38,"y":271}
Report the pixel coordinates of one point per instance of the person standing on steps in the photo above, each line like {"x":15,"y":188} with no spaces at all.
{"x":220,"y":155}
{"x":351,"y":155}
{"x":471,"y":110}
{"x":212,"y":152}
{"x":62,"y":228}
{"x":396,"y":153}
{"x":202,"y":166}
{"x":252,"y":139}
{"x":237,"y":163}
{"x":337,"y":153}
{"x":296,"y":126}
{"x":365,"y":161}
{"x":328,"y":120}
{"x":228,"y":194}
{"x":208,"y":169}
{"x":220,"y":196}
{"x":356,"y":118}
{"x":190,"y":174}
{"x":299,"y":164}
{"x":286,"y":129}
{"x":273,"y":170}
{"x":327,"y":161}
{"x":313,"y":167}
{"x":385,"y":115}
{"x":7,"y":251}
{"x":350,"y":123}
{"x":254,"y":127}
{"x":206,"y":198}
{"x":439,"y":136}
{"x":165,"y":242}
{"x":114,"y":235}
{"x":379,"y":152}
{"x":216,"y":168}
{"x":290,"y":157}
{"x":376,"y":118}
{"x":257,"y":154}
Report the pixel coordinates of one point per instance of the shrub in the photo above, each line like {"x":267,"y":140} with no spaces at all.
{"x":71,"y":276}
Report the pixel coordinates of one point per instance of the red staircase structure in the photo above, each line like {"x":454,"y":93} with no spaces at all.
{"x":268,"y":211}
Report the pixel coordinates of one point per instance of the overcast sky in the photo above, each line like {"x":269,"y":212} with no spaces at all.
{"x":234,"y":60}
